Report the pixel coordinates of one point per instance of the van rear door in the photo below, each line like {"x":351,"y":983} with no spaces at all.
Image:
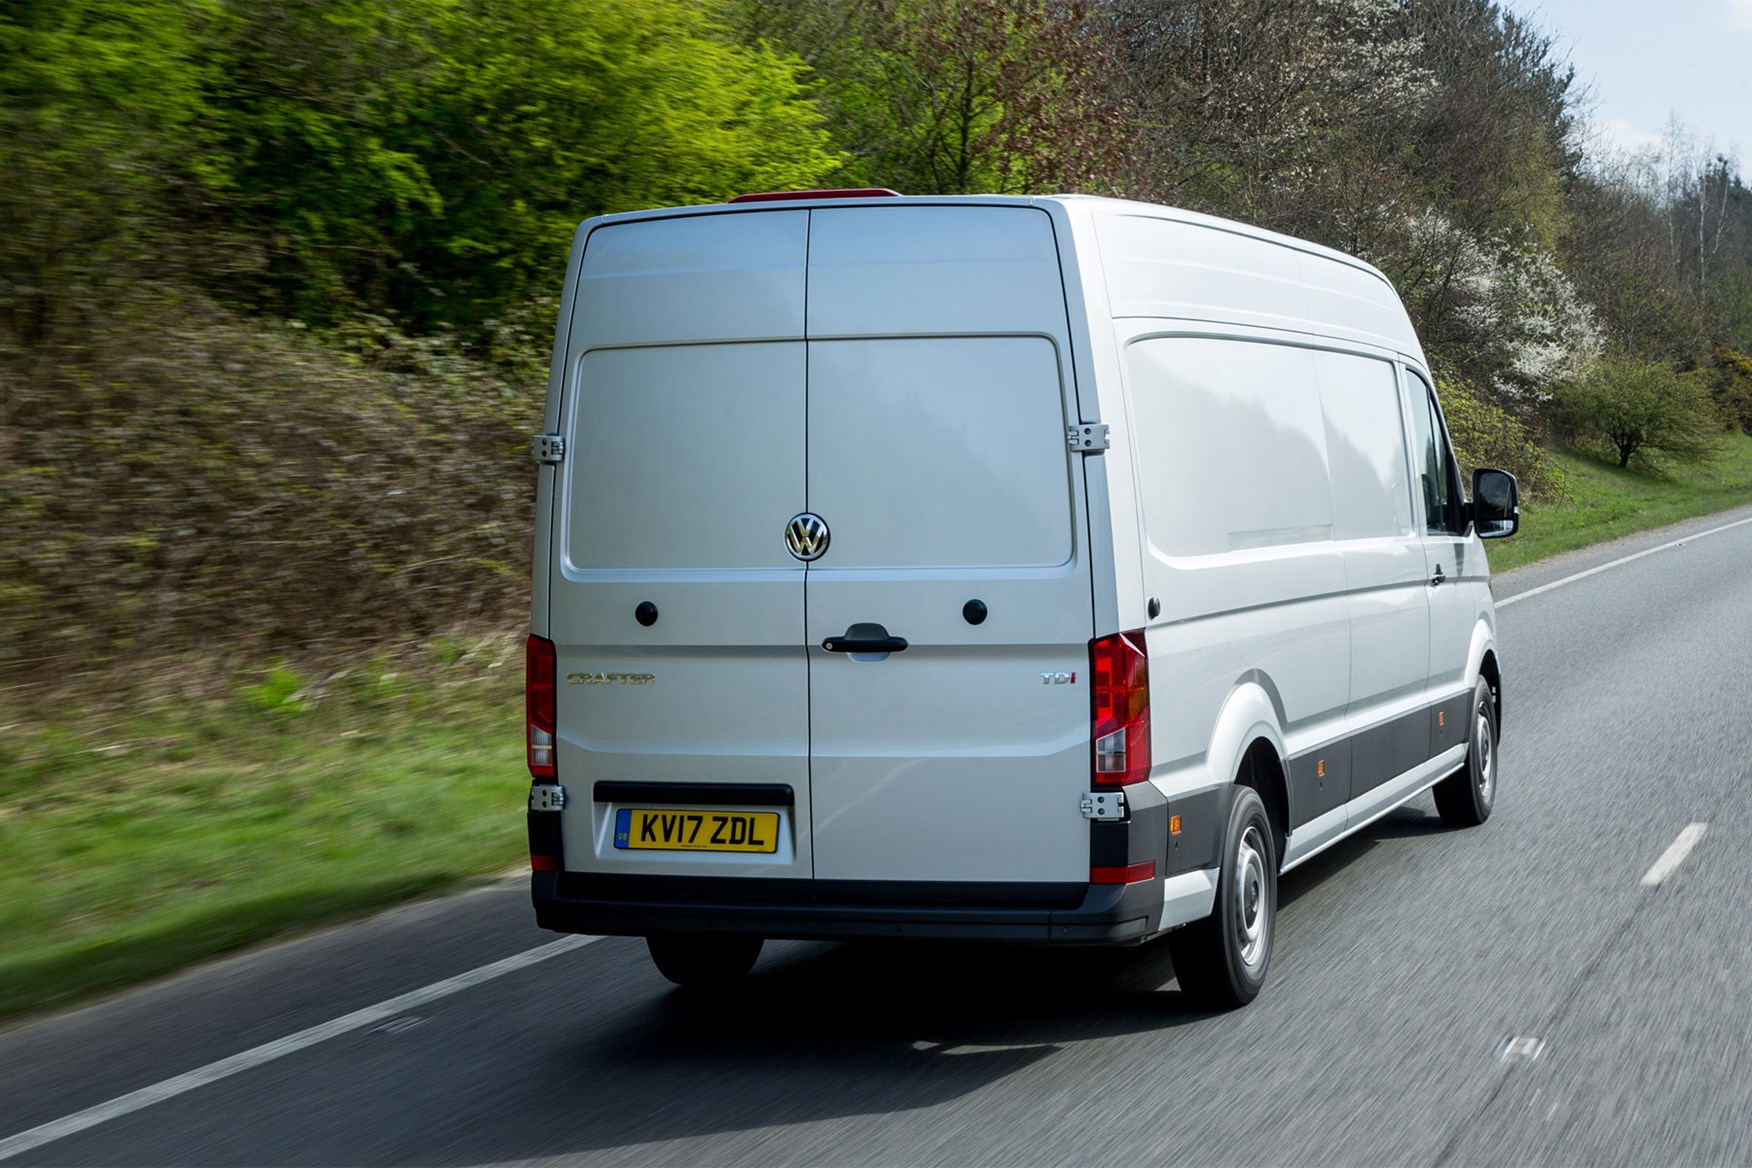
{"x":676,"y":612}
{"x":939,"y":394}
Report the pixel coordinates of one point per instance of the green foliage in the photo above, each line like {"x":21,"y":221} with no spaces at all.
{"x":959,"y":96}
{"x":190,"y":483}
{"x":277,"y":280}
{"x":1605,"y":502}
{"x":430,"y":159}
{"x":1486,"y":434}
{"x":104,"y":135}
{"x":1731,"y":386}
{"x":1643,"y":411}
{"x":280,"y":692}
{"x":139,"y":840}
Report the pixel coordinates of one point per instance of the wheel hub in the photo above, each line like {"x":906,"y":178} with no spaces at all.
{"x":1252,"y":923}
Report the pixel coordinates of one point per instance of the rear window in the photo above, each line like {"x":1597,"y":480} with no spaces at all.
{"x":687,"y":456}
{"x":939,"y":452}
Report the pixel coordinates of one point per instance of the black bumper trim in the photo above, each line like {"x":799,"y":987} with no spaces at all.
{"x":1099,"y":914}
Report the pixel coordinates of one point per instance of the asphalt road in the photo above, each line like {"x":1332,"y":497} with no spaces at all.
{"x":1513,"y":994}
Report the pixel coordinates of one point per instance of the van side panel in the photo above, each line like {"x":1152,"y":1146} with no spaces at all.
{"x":1290,"y":563}
{"x":1239,"y":519}
{"x":1384,"y":566}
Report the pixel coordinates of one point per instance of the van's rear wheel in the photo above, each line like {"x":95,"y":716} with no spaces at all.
{"x":1221,"y":960}
{"x":1465,"y":797}
{"x":703,"y":960}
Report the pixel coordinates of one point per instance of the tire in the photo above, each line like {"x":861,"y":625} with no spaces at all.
{"x":703,"y":960}
{"x":1222,"y":960}
{"x":1465,"y":797}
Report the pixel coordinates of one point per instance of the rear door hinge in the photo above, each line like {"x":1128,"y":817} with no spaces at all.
{"x":1103,"y":805}
{"x":548,"y":449}
{"x":1088,"y":437}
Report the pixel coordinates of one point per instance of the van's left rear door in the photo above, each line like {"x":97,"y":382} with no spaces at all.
{"x":676,"y":611}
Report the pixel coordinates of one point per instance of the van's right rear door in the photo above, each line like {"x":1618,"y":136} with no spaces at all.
{"x":939,"y":396}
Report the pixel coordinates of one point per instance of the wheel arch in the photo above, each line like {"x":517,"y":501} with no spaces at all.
{"x":1492,"y":673}
{"x":1247,"y":749}
{"x":1262,"y":769}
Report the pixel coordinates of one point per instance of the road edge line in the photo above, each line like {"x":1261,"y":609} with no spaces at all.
{"x":181,"y":1084}
{"x":1520,"y":596}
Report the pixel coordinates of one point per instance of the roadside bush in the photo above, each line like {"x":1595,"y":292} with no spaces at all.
{"x":189,"y":483}
{"x":1731,"y":386}
{"x":1642,"y":411}
{"x":1485,"y":434}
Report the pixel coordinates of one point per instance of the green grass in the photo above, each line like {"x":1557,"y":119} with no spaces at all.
{"x":139,"y":846}
{"x":1606,"y":502}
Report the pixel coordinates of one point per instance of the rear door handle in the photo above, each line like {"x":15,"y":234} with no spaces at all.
{"x":864,"y":644}
{"x":865,"y":637}
{"x":1438,"y":578}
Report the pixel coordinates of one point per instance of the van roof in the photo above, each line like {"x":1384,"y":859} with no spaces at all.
{"x":1355,"y":297}
{"x":883,"y":198}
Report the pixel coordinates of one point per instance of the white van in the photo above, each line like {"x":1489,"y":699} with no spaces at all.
{"x":1053,"y":570}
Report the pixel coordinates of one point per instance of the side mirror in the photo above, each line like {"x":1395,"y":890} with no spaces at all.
{"x":1496,"y":503}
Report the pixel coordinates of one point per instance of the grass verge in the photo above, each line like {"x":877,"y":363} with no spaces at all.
{"x":1606,"y":502}
{"x":139,"y":845}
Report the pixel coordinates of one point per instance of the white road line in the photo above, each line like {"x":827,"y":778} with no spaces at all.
{"x":1520,"y":596}
{"x":1674,"y":855}
{"x":57,"y":1129}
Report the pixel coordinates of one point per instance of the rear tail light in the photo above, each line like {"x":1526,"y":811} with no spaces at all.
{"x":1119,"y":733}
{"x":539,"y":704}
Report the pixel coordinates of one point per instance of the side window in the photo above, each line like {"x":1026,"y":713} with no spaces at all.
{"x":1438,"y":478}
{"x":1365,"y":444}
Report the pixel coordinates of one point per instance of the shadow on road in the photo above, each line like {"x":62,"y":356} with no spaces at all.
{"x":827,"y":1032}
{"x":823,"y":1032}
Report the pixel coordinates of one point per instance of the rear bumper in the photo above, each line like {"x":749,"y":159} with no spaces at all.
{"x":1046,"y":914}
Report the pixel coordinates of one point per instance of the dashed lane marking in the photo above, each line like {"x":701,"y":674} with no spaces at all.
{"x":1674,"y":855}
{"x":79,"y":1121}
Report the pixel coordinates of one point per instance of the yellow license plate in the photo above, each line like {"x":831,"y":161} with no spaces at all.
{"x":676,"y":829}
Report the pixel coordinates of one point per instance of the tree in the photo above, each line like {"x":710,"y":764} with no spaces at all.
{"x":428,"y":160}
{"x":1485,"y":434}
{"x":1294,"y":114}
{"x":102,"y":108}
{"x":959,"y":96}
{"x":1643,"y":409}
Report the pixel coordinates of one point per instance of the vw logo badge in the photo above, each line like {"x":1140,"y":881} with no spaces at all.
{"x":806,"y":537}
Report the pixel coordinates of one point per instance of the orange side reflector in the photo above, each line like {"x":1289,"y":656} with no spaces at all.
{"x":1441,"y":718}
{"x":1320,"y":769}
{"x":1174,"y":825}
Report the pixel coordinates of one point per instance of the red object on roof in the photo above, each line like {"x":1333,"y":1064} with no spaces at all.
{"x":842,"y":193}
